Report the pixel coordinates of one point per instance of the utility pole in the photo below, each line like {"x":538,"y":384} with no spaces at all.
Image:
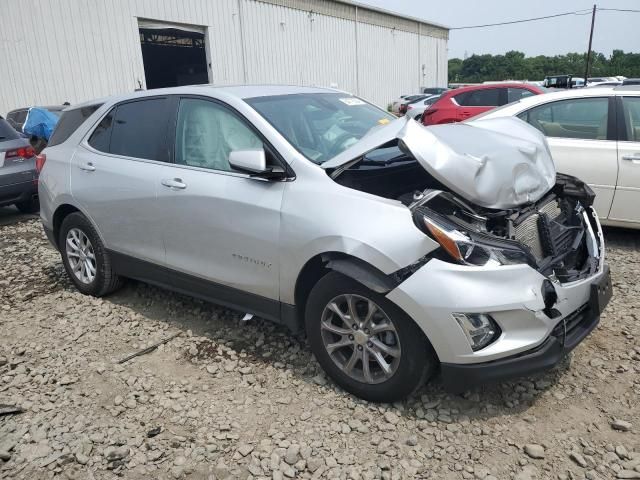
{"x":586,"y":69}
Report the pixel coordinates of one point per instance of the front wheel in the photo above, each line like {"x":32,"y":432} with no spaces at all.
{"x":364,"y":342}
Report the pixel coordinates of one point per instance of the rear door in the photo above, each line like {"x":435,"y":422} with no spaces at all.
{"x":479,"y":101}
{"x":219,"y":224}
{"x":582,"y":138}
{"x":626,"y":202}
{"x":115,"y":177}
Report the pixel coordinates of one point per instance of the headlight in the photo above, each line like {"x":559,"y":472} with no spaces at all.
{"x":464,"y":249}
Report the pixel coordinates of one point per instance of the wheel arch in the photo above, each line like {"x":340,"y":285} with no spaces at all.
{"x":349,"y":265}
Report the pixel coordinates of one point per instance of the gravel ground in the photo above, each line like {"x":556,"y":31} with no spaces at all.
{"x":228,"y":399}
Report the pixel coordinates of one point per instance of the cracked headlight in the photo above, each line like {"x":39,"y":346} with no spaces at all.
{"x":470,"y":250}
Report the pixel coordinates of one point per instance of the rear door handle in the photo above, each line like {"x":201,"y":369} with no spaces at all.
{"x":174,"y":183}
{"x":88,"y":167}
{"x":631,"y":158}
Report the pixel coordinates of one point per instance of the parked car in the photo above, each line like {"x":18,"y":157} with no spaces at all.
{"x":631,"y":81}
{"x":433,"y":90}
{"x":18,"y":175}
{"x":392,"y":245}
{"x":17,"y":117}
{"x":594,"y":81}
{"x":466,"y":102}
{"x":399,"y":106}
{"x":416,"y":109}
{"x":593,"y":133}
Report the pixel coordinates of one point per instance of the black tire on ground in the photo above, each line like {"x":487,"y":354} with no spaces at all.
{"x":418,"y":360}
{"x":105,"y":281}
{"x":29,"y":206}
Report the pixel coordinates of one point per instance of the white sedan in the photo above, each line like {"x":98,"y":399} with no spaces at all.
{"x":593,"y":134}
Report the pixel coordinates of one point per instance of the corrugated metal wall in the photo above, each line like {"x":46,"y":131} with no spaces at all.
{"x":53,"y":51}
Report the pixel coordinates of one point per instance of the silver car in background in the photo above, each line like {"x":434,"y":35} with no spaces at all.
{"x":400,"y":250}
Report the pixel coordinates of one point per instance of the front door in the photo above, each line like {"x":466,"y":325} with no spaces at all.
{"x":220,"y":225}
{"x":626,"y":203}
{"x":115,"y":175}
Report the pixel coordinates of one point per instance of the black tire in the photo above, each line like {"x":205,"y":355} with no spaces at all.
{"x":29,"y":206}
{"x":105,"y":280}
{"x":417,"y":362}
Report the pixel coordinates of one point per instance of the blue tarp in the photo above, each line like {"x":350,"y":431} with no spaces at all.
{"x":39,"y":123}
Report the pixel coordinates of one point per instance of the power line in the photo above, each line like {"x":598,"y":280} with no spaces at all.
{"x":618,"y":10}
{"x":535,"y":19}
{"x":578,"y":12}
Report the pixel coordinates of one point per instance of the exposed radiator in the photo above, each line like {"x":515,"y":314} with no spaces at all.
{"x":528,"y":231}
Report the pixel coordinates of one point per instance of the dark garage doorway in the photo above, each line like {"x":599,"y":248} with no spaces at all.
{"x":173,"y":57}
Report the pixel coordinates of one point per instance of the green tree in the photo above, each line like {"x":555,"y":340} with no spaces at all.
{"x":514,"y":65}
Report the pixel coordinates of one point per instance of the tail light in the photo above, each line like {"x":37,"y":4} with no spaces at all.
{"x":427,"y":113}
{"x":40,"y":160}
{"x":22,"y":152}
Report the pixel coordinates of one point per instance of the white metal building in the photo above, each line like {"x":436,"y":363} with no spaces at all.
{"x":52,"y":51}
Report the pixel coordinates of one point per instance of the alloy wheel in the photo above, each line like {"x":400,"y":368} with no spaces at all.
{"x":81,"y":256}
{"x":360,"y":338}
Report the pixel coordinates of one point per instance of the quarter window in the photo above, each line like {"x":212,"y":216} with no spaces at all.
{"x":69,"y":123}
{"x":631,"y":110}
{"x":582,"y":118}
{"x":102,"y":134}
{"x":207,"y":132}
{"x":515,"y":94}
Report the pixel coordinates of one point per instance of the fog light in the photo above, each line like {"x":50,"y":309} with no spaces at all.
{"x":479,"y":328}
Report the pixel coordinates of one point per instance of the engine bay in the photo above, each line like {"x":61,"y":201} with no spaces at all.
{"x":556,"y":235}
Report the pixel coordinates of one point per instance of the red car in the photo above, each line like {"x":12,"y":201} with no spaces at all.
{"x":466,"y":102}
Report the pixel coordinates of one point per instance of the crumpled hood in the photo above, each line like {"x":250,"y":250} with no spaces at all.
{"x":496,"y":163}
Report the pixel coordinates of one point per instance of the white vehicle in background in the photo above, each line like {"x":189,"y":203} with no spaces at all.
{"x":399,"y":105}
{"x":594,"y":134}
{"x":595,"y":81}
{"x":417,"y":108}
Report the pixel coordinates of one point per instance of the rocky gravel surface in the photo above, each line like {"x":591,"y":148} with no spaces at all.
{"x":233,"y":399}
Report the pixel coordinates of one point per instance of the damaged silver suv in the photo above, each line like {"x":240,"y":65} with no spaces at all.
{"x":402,"y":251}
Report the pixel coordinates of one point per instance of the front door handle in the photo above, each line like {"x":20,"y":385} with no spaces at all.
{"x":174,"y":183}
{"x":88,"y":167}
{"x":631,"y":158}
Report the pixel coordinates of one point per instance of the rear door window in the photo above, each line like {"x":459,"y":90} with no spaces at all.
{"x":139,"y":129}
{"x":581,"y":118}
{"x":488,"y":97}
{"x":69,"y":122}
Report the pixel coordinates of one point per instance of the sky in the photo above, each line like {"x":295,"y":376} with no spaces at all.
{"x":613,"y":30}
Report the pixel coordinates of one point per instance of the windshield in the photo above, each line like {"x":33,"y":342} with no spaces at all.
{"x":320,"y":125}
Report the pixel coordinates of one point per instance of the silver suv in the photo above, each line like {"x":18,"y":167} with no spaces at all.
{"x":401,"y":250}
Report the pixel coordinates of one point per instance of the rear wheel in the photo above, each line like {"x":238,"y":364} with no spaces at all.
{"x":85,"y":258}
{"x":368,"y":345}
{"x":29,"y":206}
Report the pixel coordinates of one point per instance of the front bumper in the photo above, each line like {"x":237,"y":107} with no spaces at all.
{"x":567,"y":334}
{"x":513,"y":296}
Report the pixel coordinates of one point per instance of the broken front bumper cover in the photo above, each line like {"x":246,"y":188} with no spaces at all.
{"x":458,"y":378}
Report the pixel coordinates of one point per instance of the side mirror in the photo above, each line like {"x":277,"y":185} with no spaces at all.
{"x":253,"y":161}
